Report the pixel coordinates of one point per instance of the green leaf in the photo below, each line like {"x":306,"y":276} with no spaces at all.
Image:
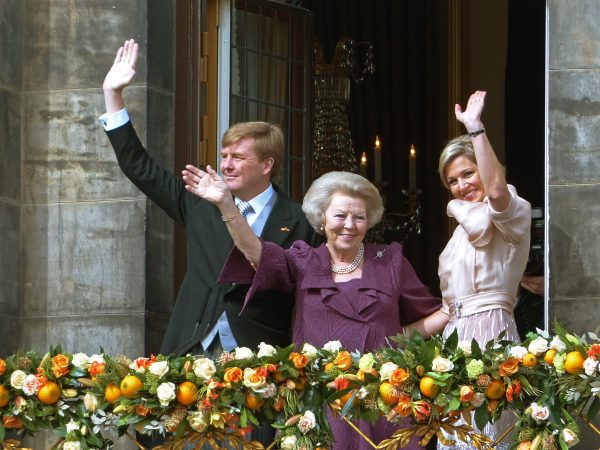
{"x":482,"y":416}
{"x":452,"y":342}
{"x":593,"y":409}
{"x":475,"y":349}
{"x":454,"y":404}
{"x":2,"y":432}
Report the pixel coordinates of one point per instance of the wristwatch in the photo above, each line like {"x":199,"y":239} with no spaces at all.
{"x":476,"y":133}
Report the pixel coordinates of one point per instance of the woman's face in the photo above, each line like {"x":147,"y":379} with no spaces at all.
{"x":462,"y":175}
{"x":345,"y":223}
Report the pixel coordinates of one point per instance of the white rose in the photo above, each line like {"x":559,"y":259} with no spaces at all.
{"x":165,"y":393}
{"x":17,"y":378}
{"x":569,"y":437}
{"x":387,"y":369}
{"x":478,"y":400}
{"x":97,"y":359}
{"x":333,"y":346}
{"x":81,"y":361}
{"x":465,"y":346}
{"x":159,"y":368}
{"x":71,"y":445}
{"x":288,"y":442}
{"x":20,"y":403}
{"x":267,"y":391}
{"x":307,"y":422}
{"x":265,"y":350}
{"x":539,"y":413}
{"x":557,"y":344}
{"x":518,"y":352}
{"x":590,"y":365}
{"x":253,"y":379}
{"x":243,"y":353}
{"x":72,"y":426}
{"x":309,"y":351}
{"x":204,"y":368}
{"x":90,"y":402}
{"x":538,"y":346}
{"x":31,"y":385}
{"x":198,"y":421}
{"x":441,"y":365}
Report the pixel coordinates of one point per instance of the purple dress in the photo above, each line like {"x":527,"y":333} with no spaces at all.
{"x":359,"y":313}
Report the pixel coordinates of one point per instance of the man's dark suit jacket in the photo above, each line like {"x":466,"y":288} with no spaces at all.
{"x":201,"y":300}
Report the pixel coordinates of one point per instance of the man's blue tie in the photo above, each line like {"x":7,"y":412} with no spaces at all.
{"x":245,"y":208}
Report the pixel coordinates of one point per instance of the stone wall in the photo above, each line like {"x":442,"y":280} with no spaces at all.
{"x":574,"y":168}
{"x":85,"y":260}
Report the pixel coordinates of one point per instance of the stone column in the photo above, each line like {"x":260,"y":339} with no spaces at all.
{"x":86,"y":261}
{"x":574,"y":168}
{"x":11,"y":79}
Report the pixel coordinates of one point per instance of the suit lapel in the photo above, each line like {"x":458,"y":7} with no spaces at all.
{"x":280,"y":223}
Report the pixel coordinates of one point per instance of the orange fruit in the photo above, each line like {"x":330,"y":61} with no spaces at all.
{"x":388,"y":393}
{"x":49,"y":393}
{"x":428,"y":387}
{"x":346,"y":397}
{"x":300,"y":383}
{"x":529,"y":360}
{"x":4,"y":396}
{"x":112,"y":393}
{"x":130,"y":385}
{"x":495,"y":390}
{"x":574,"y":362}
{"x":253,"y":402}
{"x":186,"y":393}
{"x":549,"y":356}
{"x":492,"y":405}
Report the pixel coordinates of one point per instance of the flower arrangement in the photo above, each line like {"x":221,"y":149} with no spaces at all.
{"x":434,"y":383}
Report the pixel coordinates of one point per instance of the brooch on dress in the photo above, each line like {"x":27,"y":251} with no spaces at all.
{"x":379,"y":254}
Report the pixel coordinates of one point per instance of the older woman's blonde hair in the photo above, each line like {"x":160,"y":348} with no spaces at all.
{"x":319,"y":195}
{"x":459,"y":146}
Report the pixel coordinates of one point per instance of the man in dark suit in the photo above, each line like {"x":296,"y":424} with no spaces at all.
{"x":206,"y":316}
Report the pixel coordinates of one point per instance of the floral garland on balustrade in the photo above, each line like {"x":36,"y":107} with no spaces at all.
{"x":547,"y":381}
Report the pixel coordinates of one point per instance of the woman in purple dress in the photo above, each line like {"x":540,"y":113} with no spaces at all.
{"x":346,"y":290}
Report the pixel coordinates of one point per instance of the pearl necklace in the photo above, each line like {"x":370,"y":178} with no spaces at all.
{"x":353,"y":265}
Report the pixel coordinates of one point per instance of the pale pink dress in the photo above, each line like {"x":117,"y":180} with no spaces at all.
{"x":479,"y":271}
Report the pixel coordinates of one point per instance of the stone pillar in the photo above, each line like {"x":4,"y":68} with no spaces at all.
{"x":85,"y":260}
{"x":574,"y":167}
{"x":11,"y":79}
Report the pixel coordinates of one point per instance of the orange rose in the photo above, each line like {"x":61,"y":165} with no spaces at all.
{"x":60,"y":365}
{"x":399,"y":376}
{"x":341,"y":383}
{"x":300,"y":361}
{"x":467,"y":393}
{"x":96,"y":368}
{"x":513,"y":391}
{"x":343,"y":360}
{"x":233,"y":375}
{"x":12,"y":422}
{"x":2,"y":366}
{"x":403,"y":407}
{"x":421,"y":409}
{"x":141,"y":410}
{"x":509,"y":367}
{"x":524,"y":445}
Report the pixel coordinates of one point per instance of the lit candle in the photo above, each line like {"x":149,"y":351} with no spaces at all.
{"x":377,"y":160}
{"x":363,"y":164}
{"x":412,"y":169}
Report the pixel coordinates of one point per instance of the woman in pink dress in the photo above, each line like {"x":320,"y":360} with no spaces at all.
{"x":483,"y":262}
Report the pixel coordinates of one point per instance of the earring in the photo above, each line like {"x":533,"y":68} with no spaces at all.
{"x":321,"y":227}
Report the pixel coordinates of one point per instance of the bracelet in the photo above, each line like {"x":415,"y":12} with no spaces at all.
{"x":229,"y":219}
{"x":476,"y":133}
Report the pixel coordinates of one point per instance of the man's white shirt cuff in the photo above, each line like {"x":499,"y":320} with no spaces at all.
{"x":114,"y":120}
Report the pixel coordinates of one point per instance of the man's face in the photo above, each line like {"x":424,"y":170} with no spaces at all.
{"x":243,"y":171}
